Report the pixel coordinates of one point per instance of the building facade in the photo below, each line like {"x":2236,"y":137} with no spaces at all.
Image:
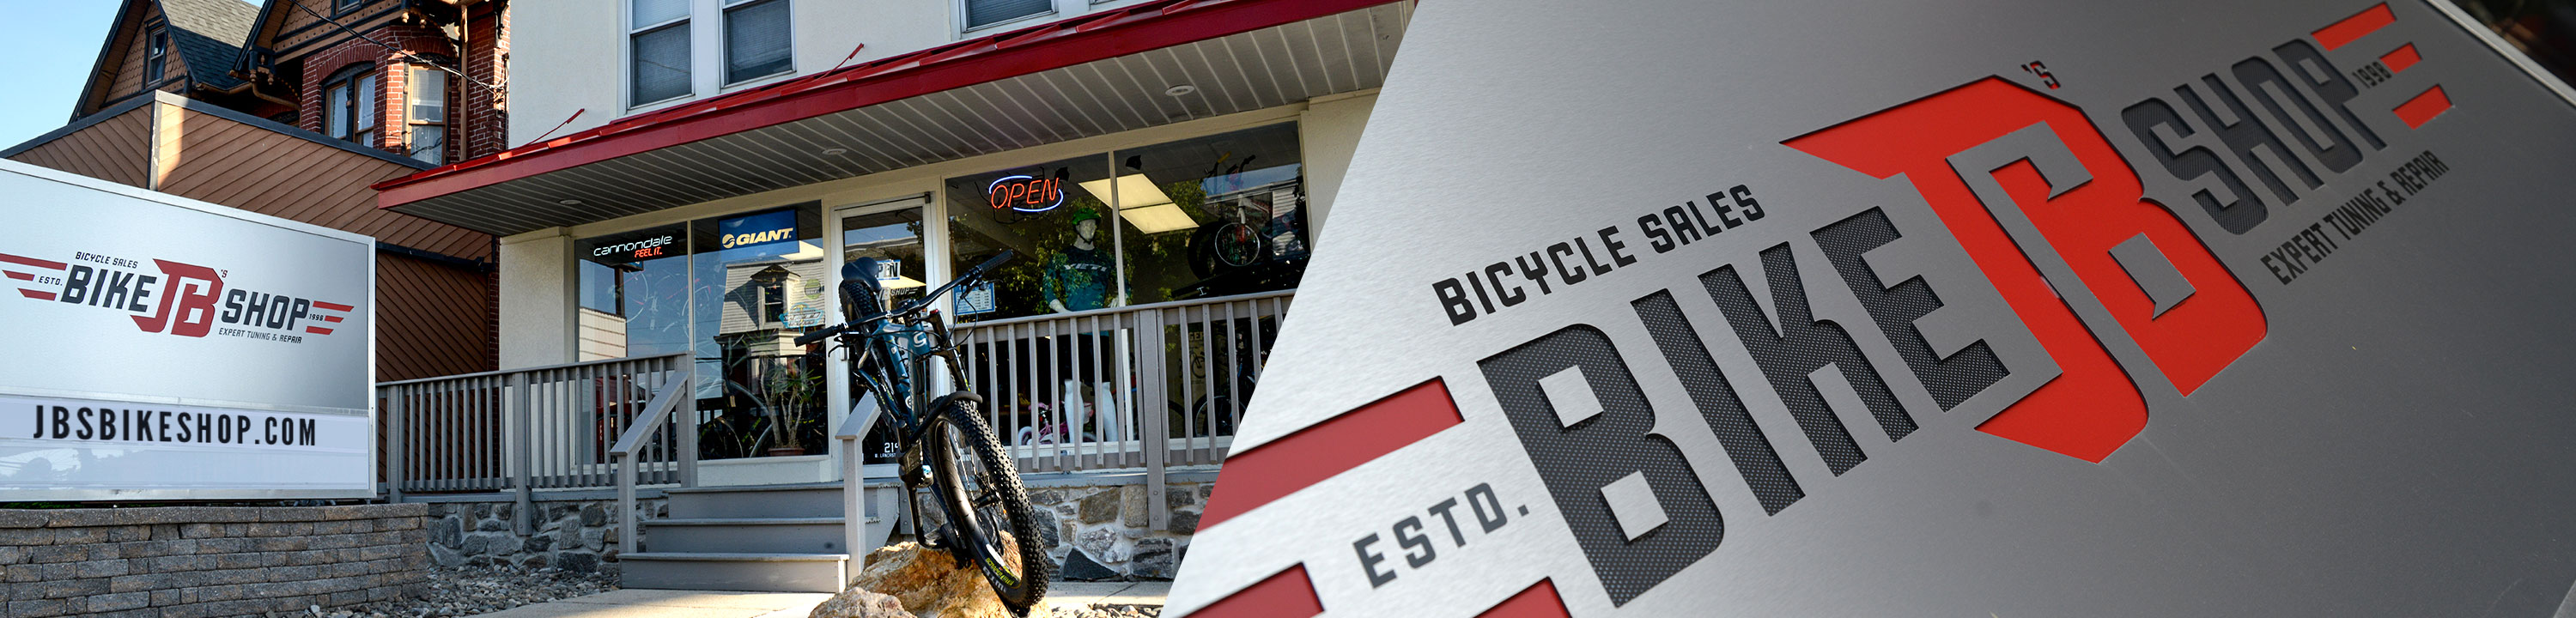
{"x":691,"y":173}
{"x":293,"y":109}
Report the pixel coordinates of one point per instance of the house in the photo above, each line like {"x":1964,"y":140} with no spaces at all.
{"x":211,"y":100}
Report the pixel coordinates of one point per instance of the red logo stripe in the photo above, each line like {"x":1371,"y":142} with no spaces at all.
{"x":2367,"y":21}
{"x":1259,"y":475}
{"x":317,"y":330}
{"x":332,"y":306}
{"x":2424,"y":107}
{"x":28,"y":261}
{"x":2405,"y":56}
{"x":18,"y":275}
{"x":36,"y":295}
{"x":1288,"y":594}
{"x":330,"y":318}
{"x":1538,"y":601}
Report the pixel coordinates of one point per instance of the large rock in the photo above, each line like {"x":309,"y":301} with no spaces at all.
{"x":927,"y":583}
{"x":860,"y":603}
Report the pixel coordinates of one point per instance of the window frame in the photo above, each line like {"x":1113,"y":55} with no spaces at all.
{"x":724,"y":41}
{"x":361,"y":126}
{"x":686,"y":21}
{"x":156,"y":57}
{"x":965,"y":23}
{"x":344,"y":7}
{"x":412,"y":120}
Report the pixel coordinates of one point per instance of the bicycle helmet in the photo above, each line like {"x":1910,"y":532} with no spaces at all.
{"x":861,"y":294}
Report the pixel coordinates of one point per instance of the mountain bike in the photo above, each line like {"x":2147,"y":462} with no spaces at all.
{"x":903,"y":361}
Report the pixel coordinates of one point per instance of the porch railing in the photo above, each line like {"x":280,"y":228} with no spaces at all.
{"x":541,"y":428}
{"x":1146,"y":386}
{"x":1142,"y":388}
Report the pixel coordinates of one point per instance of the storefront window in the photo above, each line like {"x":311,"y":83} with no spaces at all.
{"x":1067,"y":248}
{"x":634,"y":294}
{"x":757,"y":281}
{"x":1213,"y":216}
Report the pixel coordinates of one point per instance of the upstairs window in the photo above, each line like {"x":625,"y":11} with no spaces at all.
{"x":156,"y":57}
{"x":426,"y":113}
{"x":345,"y":6}
{"x":981,"y":13}
{"x":658,"y":50}
{"x":351,"y":109}
{"x":757,"y":41}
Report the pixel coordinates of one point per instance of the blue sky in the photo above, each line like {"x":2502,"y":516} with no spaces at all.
{"x":46,"y":46}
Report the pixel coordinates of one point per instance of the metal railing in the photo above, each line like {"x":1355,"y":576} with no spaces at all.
{"x":556,"y":427}
{"x":1146,"y":386}
{"x":1143,"y":387}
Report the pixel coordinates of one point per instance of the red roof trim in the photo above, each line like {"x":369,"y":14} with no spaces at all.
{"x":1055,"y":45}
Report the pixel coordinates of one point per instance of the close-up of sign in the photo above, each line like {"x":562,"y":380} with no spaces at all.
{"x":1970,"y":308}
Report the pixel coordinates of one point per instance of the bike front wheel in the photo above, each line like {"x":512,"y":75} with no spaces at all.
{"x":981,"y":491}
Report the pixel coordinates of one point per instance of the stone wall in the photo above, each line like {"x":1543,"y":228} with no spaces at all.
{"x":188,"y":562}
{"x":572,"y":535}
{"x":1110,"y":529}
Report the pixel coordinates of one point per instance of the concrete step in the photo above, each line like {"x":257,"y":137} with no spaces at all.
{"x":788,"y":535}
{"x":767,"y":572}
{"x":800,"y":500}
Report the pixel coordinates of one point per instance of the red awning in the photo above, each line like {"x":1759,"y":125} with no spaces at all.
{"x":1271,"y":51}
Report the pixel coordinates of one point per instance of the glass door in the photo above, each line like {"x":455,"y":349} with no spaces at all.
{"x":892,"y":234}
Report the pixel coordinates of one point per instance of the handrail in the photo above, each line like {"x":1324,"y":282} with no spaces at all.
{"x":678,"y":356}
{"x":863,"y":416}
{"x":647,"y":423}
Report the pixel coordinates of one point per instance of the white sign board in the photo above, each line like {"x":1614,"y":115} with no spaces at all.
{"x":165,"y":348}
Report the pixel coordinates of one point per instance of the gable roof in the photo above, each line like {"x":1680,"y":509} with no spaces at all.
{"x":207,"y":34}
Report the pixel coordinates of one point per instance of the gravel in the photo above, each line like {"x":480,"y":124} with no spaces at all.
{"x":471,"y":591}
{"x":1109,"y":611}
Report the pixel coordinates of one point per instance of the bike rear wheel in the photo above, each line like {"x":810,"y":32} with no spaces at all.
{"x":980,"y":489}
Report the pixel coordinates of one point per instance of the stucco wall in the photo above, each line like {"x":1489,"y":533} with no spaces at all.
{"x":536,"y":299}
{"x":569,"y":55}
{"x":1329,"y":131}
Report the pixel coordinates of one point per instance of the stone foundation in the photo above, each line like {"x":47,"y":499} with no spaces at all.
{"x":188,"y":562}
{"x":1111,"y":527}
{"x":572,"y":535}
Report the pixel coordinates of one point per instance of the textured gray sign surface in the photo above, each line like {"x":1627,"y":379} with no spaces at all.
{"x":1937,"y":308}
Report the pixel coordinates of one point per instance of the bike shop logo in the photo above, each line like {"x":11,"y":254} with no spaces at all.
{"x":1980,"y":153}
{"x":180,"y":299}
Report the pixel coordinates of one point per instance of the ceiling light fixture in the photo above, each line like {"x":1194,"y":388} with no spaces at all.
{"x":1180,"y":90}
{"x":1142,"y":204}
{"x":569,"y":202}
{"x":834,"y":152}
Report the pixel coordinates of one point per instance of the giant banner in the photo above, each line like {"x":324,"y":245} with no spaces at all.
{"x":1958,"y":308}
{"x":154,"y":347}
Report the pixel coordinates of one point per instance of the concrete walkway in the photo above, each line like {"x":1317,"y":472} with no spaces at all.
{"x":719,"y":604}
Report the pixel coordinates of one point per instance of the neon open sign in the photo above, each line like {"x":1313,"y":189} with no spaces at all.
{"x":1026,"y":193}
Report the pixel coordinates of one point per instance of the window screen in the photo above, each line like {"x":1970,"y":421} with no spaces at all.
{"x":757,"y":43}
{"x":981,"y":13}
{"x":661,"y":63}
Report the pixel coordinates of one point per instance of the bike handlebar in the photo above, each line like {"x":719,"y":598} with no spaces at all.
{"x":910,"y":306}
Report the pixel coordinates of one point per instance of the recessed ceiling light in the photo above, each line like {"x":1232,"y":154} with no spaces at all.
{"x":569,"y":202}
{"x":834,"y":152}
{"x":1180,"y":90}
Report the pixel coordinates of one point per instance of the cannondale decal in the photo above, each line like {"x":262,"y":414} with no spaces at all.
{"x":2047,"y":208}
{"x":162,"y":296}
